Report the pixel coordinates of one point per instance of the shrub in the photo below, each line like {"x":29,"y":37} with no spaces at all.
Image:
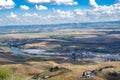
{"x":54,"y":69}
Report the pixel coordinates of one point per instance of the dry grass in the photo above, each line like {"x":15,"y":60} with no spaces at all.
{"x":46,"y":34}
{"x":31,"y":68}
{"x":4,"y":49}
{"x":43,"y":45}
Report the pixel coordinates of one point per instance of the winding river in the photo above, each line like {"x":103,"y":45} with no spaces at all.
{"x":32,"y":52}
{"x":42,"y":52}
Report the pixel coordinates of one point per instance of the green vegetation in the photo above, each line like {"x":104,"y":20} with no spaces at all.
{"x":52,"y":72}
{"x":5,"y":72}
{"x":54,"y":69}
{"x":16,"y":78}
{"x":41,"y":75}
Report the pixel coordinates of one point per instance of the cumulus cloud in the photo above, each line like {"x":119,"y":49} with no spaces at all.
{"x":35,"y":14}
{"x":1,"y":19}
{"x":39,"y":1}
{"x":29,"y":15}
{"x":66,"y":2}
{"x":6,"y":4}
{"x":12,"y":15}
{"x":93,"y":3}
{"x":79,"y":12}
{"x":118,"y":1}
{"x":58,"y":2}
{"x":99,"y":13}
{"x":63,"y":14}
{"x":40,"y":7}
{"x":24,"y":7}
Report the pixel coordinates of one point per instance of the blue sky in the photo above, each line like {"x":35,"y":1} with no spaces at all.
{"x":26,"y":12}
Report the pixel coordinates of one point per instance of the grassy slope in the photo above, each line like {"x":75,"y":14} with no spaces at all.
{"x":31,"y":67}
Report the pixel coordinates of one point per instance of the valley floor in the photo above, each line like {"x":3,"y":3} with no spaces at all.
{"x":14,"y":66}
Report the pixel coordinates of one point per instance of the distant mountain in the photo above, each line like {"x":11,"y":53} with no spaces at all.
{"x":112,"y":25}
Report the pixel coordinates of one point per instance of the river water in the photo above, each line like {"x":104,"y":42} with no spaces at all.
{"x":42,"y":52}
{"x":32,"y":52}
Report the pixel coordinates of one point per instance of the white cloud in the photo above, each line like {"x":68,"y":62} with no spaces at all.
{"x":79,"y":12}
{"x":35,"y":14}
{"x":1,"y":19}
{"x":40,"y":7}
{"x":118,"y":1}
{"x":58,"y":2}
{"x":99,"y":13}
{"x":6,"y":4}
{"x":66,"y":2}
{"x":12,"y":19}
{"x":63,"y":14}
{"x":93,"y":3}
{"x":24,"y":7}
{"x":12,"y":15}
{"x":29,"y":15}
{"x":39,"y":1}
